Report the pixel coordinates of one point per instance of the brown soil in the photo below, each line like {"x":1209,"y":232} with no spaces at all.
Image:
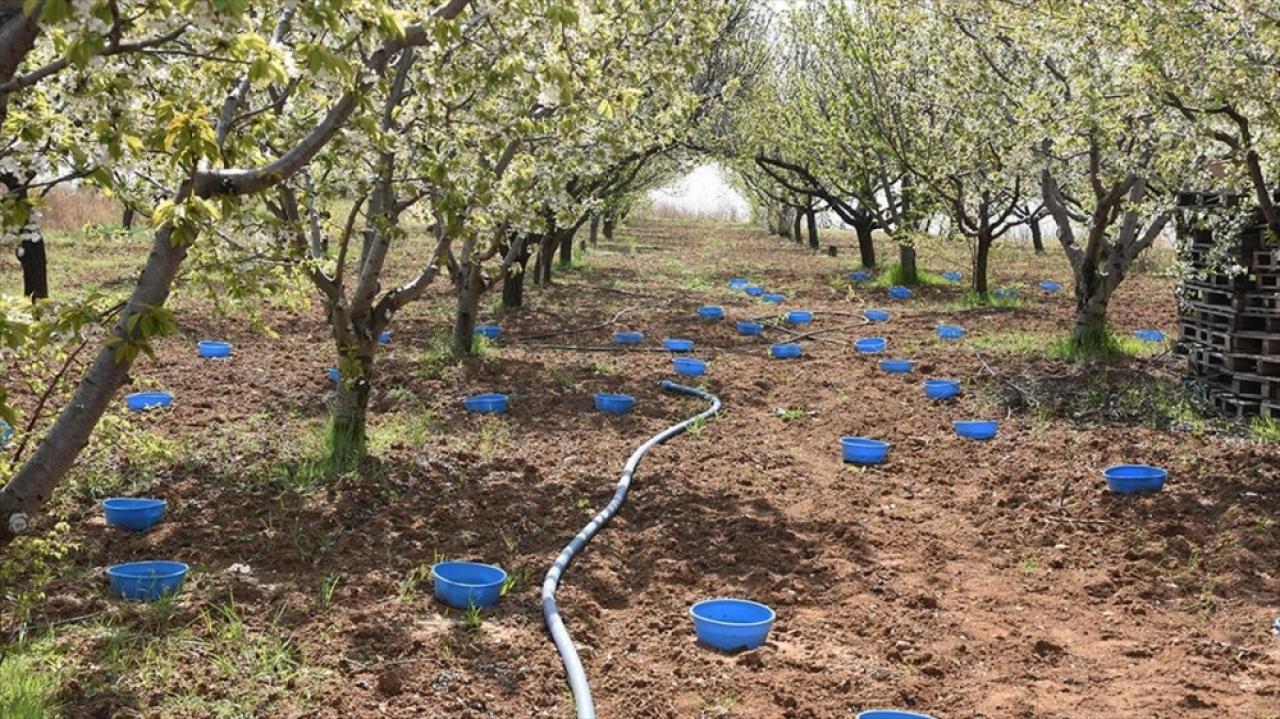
{"x":960,"y":579}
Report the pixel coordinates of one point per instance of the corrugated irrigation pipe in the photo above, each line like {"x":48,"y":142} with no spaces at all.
{"x":572,"y":664}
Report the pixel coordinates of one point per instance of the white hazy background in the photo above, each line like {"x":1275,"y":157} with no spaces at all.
{"x":703,"y":194}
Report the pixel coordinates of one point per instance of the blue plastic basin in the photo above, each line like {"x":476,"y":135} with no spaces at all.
{"x":950,"y":332}
{"x":859,"y":276}
{"x":799,"y":317}
{"x":333,"y":375}
{"x":1149,"y":335}
{"x":738,"y":283}
{"x":952,"y":276}
{"x":614,"y":403}
{"x":754,"y":290}
{"x":133,"y":514}
{"x":897,"y":366}
{"x":1134,"y":478}
{"x":876,"y":315}
{"x":674,"y":344}
{"x":863,"y":450}
{"x":1005,"y":293}
{"x":146,"y":581}
{"x":213,"y":349}
{"x":870,"y":345}
{"x":899,"y":293}
{"x":463,"y":585}
{"x":385,"y":337}
{"x":786,"y":350}
{"x":979,"y":429}
{"x":689,"y":367}
{"x":489,"y":332}
{"x":941,"y":388}
{"x":890,"y":714}
{"x":731,"y":624}
{"x":6,"y":433}
{"x":628,"y":338}
{"x":711,"y":312}
{"x":1050,"y":286}
{"x":486,"y":403}
{"x":749,"y":328}
{"x":773,"y":299}
{"x":140,"y":401}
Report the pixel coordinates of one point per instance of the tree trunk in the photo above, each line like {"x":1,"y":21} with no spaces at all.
{"x":470,"y":285}
{"x":513,"y":285}
{"x":35,"y":481}
{"x":811,"y":218}
{"x":907,"y":262}
{"x":866,"y":244}
{"x":980,"y":262}
{"x":35,"y":268}
{"x":349,"y":432}
{"x":608,"y":227}
{"x":797,"y":233}
{"x":1037,"y":240}
{"x":566,"y":247}
{"x":595,"y":228}
{"x":127,"y":220}
{"x":546,"y":250}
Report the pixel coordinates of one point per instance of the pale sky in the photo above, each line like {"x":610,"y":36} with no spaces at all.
{"x":703,"y":191}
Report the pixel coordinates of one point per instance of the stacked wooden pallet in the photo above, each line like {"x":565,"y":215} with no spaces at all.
{"x":1230,"y":324}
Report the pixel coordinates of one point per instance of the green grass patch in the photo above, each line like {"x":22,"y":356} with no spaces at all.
{"x":893,"y":274}
{"x":1051,"y":345}
{"x":1265,"y":429}
{"x":30,"y":675}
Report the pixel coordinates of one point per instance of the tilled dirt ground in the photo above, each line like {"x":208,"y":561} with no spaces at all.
{"x":961,"y":579}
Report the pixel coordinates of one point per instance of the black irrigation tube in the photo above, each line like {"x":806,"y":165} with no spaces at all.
{"x":577,"y":675}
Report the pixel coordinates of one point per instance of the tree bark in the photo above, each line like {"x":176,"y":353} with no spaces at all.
{"x":811,"y":218}
{"x":595,"y":228}
{"x":566,"y":247}
{"x":797,"y":233}
{"x":866,"y":243}
{"x":1037,"y":239}
{"x":907,"y":261}
{"x":35,"y":269}
{"x":980,"y":262}
{"x":469,"y":287}
{"x":608,"y":227}
{"x":35,"y":481}
{"x":546,"y":251}
{"x":349,"y":431}
{"x":126,"y":221}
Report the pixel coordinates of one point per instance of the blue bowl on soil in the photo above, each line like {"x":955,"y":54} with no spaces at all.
{"x":385,"y":337}
{"x":799,"y":317}
{"x":941,"y":388}
{"x":711,"y":312}
{"x":890,"y":714}
{"x":1050,"y":286}
{"x":486,"y":403}
{"x":463,"y":585}
{"x":614,"y":403}
{"x":146,"y":581}
{"x":754,"y":290}
{"x":6,"y":433}
{"x":212,"y":349}
{"x":1134,"y":478}
{"x":859,"y":276}
{"x":977,"y":429}
{"x":950,"y":332}
{"x":773,"y":299}
{"x":899,"y":293}
{"x":897,"y":366}
{"x":876,"y":315}
{"x":628,"y":338}
{"x":333,"y":375}
{"x":862,"y":450}
{"x":1005,"y":293}
{"x":750,"y":329}
{"x":731,"y":624}
{"x":952,"y":276}
{"x":689,"y":367}
{"x":133,"y":514}
{"x":787,"y":350}
{"x":738,"y":283}
{"x":870,"y":345}
{"x":1149,"y":335}
{"x":673,"y":344}
{"x":489,"y":332}
{"x":141,"y":401}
